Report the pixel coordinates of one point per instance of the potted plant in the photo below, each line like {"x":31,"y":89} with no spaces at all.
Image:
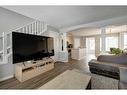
{"x":116,"y":51}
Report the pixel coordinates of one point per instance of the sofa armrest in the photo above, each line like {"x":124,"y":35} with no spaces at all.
{"x":122,"y":85}
{"x":105,"y":66}
{"x":123,"y":74}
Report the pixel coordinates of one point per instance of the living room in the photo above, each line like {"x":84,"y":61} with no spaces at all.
{"x":111,"y":50}
{"x":72,"y":51}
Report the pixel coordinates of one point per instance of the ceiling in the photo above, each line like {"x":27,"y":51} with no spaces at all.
{"x":85,"y":32}
{"x":97,"y":31}
{"x":62,"y":17}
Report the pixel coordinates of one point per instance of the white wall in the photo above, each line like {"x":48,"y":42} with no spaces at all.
{"x":82,"y":42}
{"x":77,"y":42}
{"x":70,"y":39}
{"x":9,"y":21}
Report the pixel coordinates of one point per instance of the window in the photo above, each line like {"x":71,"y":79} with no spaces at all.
{"x":1,"y":49}
{"x":125,"y":40}
{"x":100,"y":44}
{"x":76,"y":43}
{"x":91,"y":43}
{"x":111,"y":42}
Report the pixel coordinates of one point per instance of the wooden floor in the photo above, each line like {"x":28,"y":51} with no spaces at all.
{"x":40,"y":80}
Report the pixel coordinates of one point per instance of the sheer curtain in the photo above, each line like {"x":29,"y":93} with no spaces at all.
{"x":125,"y":40}
{"x":111,"y":42}
{"x":90,"y":44}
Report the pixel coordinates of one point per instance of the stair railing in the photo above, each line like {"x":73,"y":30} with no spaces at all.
{"x":35,"y":28}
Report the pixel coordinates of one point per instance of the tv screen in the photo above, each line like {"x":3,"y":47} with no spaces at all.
{"x":31,"y":47}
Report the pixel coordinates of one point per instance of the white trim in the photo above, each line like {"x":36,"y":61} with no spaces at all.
{"x":5,"y":78}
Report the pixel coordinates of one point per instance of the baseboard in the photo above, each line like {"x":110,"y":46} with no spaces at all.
{"x":62,"y":61}
{"x":78,"y":58}
{"x":5,"y":78}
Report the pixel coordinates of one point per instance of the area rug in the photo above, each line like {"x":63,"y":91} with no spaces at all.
{"x":68,"y":80}
{"x":101,"y":82}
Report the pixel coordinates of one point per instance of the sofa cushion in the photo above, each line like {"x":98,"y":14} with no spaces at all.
{"x":119,"y":59}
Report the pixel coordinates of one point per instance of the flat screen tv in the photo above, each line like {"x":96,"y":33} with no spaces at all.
{"x":31,"y":47}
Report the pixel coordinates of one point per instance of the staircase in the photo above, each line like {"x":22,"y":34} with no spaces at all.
{"x":35,"y":28}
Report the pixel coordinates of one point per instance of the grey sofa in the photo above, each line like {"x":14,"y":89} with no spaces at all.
{"x":123,"y":78}
{"x":108,"y":65}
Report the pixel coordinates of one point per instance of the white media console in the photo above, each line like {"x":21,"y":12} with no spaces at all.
{"x":32,"y":68}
